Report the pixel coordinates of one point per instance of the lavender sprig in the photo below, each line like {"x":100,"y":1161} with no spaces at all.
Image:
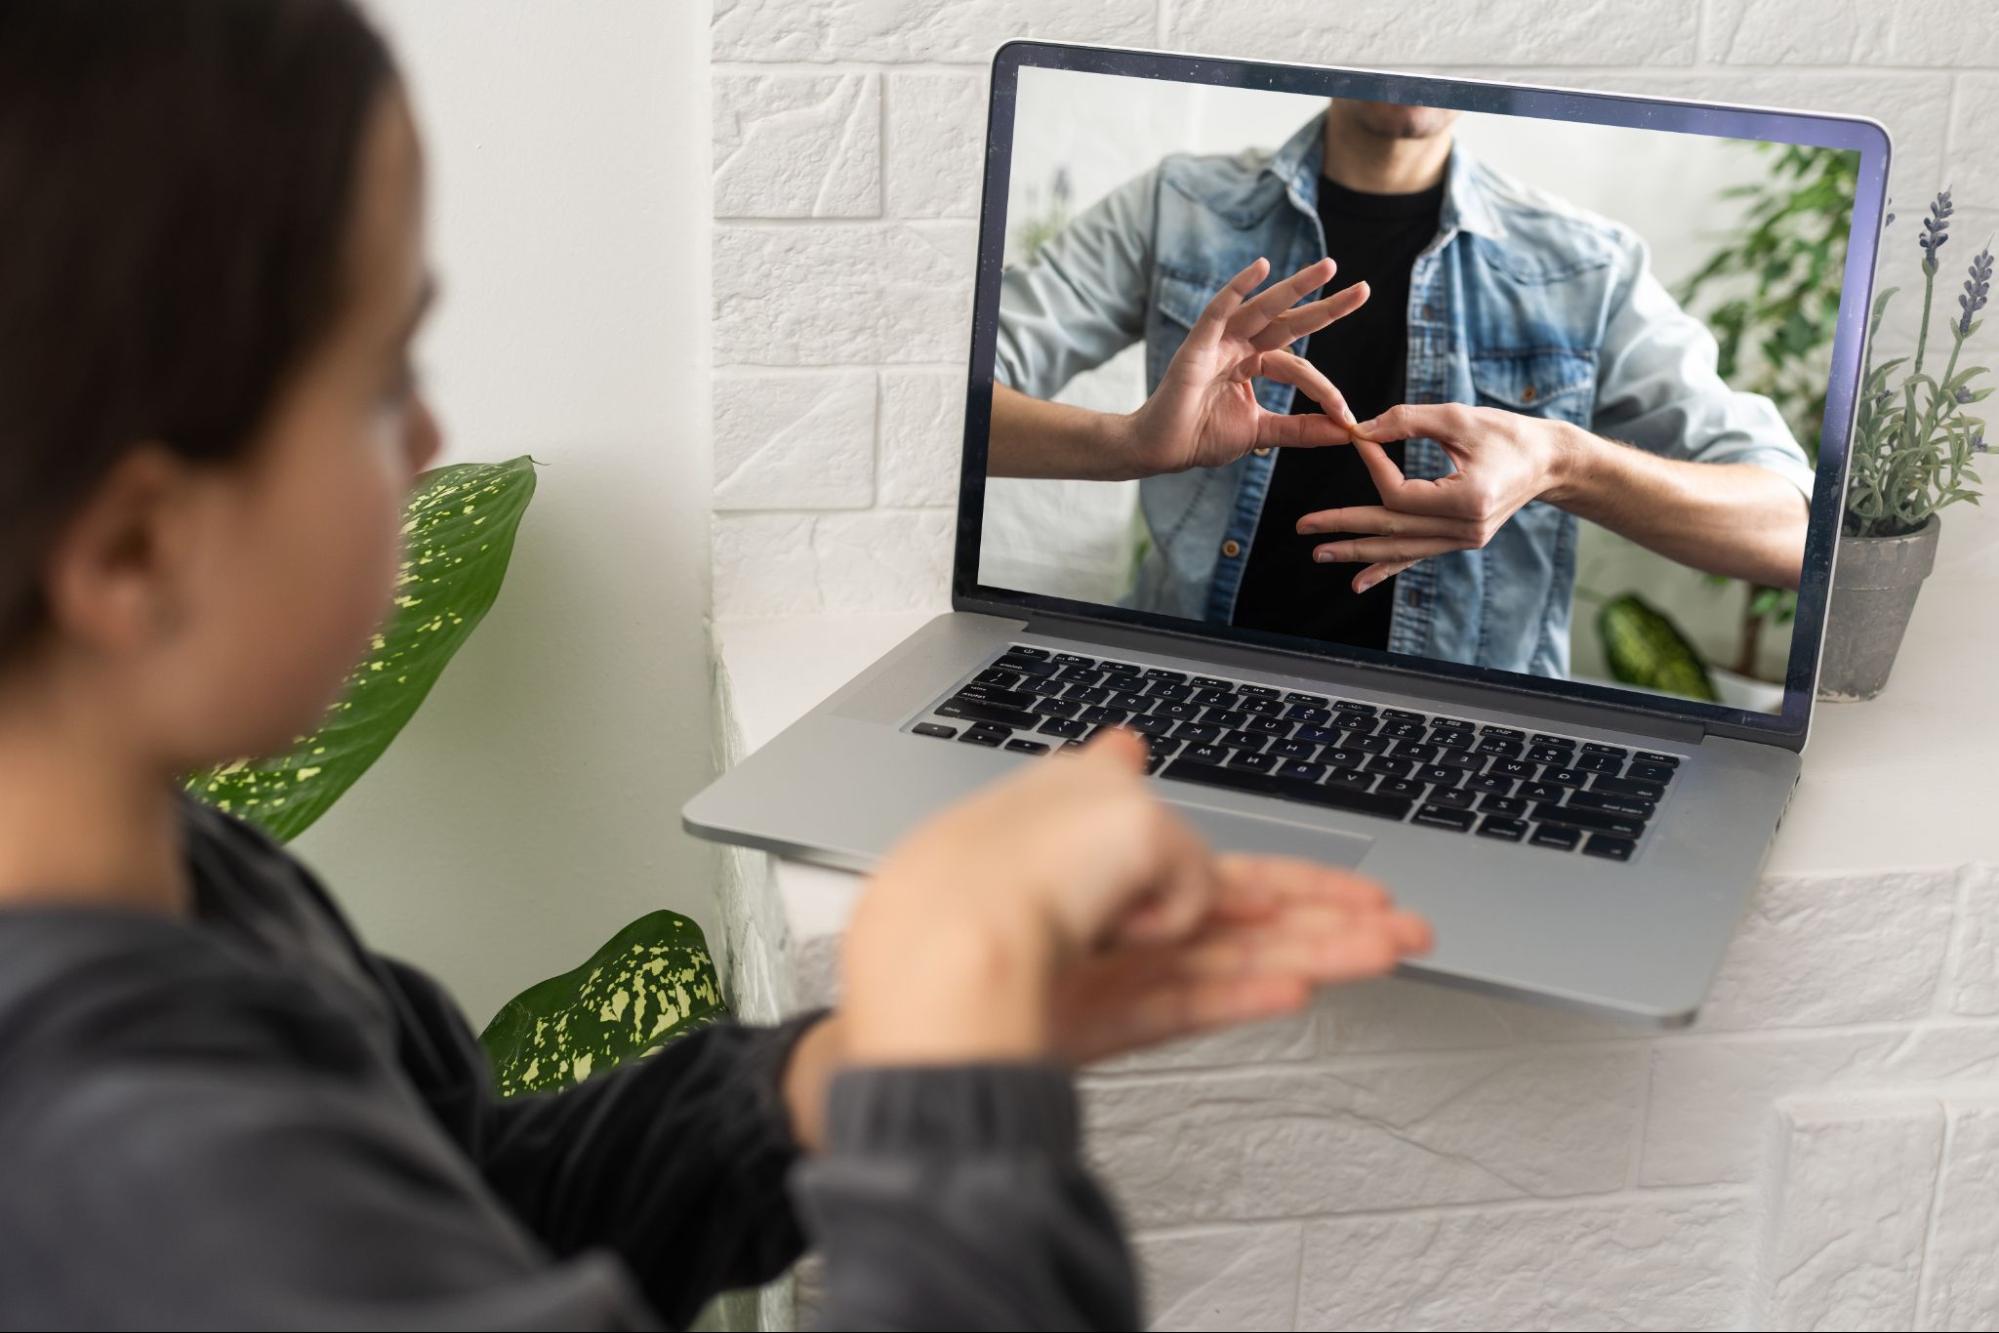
{"x":1935,"y":229}
{"x":1977,"y":290}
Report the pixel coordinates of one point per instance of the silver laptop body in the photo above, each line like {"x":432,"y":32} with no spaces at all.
{"x":1618,"y":896}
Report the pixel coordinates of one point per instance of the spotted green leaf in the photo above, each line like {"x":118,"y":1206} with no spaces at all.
{"x":652,"y":982}
{"x":459,"y":534}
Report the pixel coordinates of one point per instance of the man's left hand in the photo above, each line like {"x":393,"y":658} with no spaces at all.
{"x":1501,"y":461}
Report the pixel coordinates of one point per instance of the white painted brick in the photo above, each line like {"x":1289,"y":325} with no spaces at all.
{"x":1963,"y":1280}
{"x":1395,"y":33}
{"x":788,"y":564}
{"x":1974,"y":139}
{"x":1974,"y":985}
{"x":840,"y":294}
{"x":1664,"y":1263}
{"x":934,"y":132}
{"x":797,"y":145}
{"x":1395,"y":1014}
{"x":1275,"y":1041}
{"x":922,"y":436}
{"x":1827,"y":32}
{"x":1281,"y":1142}
{"x":1848,"y":1191}
{"x":1222,"y":1277}
{"x":794,"y":441}
{"x":895,"y":30}
{"x":1939,"y":32}
{"x":1822,"y":951}
{"x":1705,"y":1120}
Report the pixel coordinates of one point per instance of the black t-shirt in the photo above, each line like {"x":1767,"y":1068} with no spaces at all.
{"x":1373,"y":238}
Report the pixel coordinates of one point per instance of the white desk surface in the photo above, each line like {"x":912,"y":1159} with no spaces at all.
{"x":1902,"y":782}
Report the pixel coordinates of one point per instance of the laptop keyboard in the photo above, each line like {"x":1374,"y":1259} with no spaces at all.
{"x":1445,"y":773}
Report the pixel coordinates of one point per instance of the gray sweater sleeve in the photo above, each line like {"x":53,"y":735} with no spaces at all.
{"x":954,"y":1197}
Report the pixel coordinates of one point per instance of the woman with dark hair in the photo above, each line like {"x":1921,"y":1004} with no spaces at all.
{"x":217,"y":1107}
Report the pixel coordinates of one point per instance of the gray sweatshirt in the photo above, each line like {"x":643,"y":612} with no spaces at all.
{"x":246,"y":1119}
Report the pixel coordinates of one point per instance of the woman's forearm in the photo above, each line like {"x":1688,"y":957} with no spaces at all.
{"x":1735,"y":519}
{"x":1034,"y":438}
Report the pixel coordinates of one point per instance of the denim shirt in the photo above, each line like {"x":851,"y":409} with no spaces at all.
{"x":1521,"y":302}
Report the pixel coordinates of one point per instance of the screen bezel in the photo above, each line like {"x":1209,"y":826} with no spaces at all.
{"x":1869,"y":138}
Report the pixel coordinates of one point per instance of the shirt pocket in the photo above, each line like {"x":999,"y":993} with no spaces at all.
{"x":1554,"y":382}
{"x":1179,"y":295}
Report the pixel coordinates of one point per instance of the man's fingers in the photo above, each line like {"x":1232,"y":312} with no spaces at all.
{"x":1255,"y":881}
{"x":1307,"y":320}
{"x":1251,"y":317}
{"x":1410,"y":495}
{"x":1295,"y":370}
{"x":1225,"y":302}
{"x":1185,"y":883}
{"x":1381,"y":521}
{"x":1374,"y":574}
{"x":1387,"y":549}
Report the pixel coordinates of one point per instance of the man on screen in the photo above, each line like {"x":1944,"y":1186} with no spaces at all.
{"x":1511,"y":363}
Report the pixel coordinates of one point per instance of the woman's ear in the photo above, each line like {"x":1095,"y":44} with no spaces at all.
{"x":117,"y":576}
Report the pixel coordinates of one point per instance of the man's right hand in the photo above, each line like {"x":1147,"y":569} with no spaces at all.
{"x":1204,"y":412}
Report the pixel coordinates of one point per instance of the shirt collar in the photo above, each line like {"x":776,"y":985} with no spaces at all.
{"x":1467,"y":205}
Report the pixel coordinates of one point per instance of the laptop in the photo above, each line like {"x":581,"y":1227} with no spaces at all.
{"x":1553,"y":680}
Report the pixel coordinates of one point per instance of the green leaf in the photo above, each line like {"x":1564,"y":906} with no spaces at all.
{"x":1646,"y":649}
{"x":652,"y":982}
{"x":459,"y":533}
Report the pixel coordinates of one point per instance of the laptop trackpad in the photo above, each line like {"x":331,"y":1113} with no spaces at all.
{"x":1251,"y":833}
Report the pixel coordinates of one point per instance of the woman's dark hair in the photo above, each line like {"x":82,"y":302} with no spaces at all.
{"x":176,"y":179}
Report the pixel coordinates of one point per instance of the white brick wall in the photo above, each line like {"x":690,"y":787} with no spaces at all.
{"x":847,"y":151}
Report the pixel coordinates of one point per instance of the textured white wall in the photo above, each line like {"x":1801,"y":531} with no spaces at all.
{"x":847,"y":149}
{"x":531,"y":808}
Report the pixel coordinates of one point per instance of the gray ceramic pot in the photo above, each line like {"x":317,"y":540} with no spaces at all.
{"x":1874,"y":587}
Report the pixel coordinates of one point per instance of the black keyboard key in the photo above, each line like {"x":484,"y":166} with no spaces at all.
{"x":1561,"y":838}
{"x":1301,"y":769}
{"x":1160,"y":689}
{"x":1596,"y":821}
{"x":1609,"y":847}
{"x":1080,"y":675}
{"x":1645,"y":791}
{"x":1245,"y":740}
{"x":1076,"y":659}
{"x":1179,"y":712}
{"x":1499,"y":745}
{"x":1026,"y":746}
{"x":1350,"y":779}
{"x":1372,"y":744}
{"x":1307,"y":713}
{"x":1064,"y":726}
{"x":1162,"y":747}
{"x":1486,"y":782}
{"x":1213,"y":698}
{"x":1464,"y":759}
{"x":1504,"y":733}
{"x":1654,"y":757}
{"x":1635,"y":807}
{"x":1147,"y":725}
{"x":1421,"y":752}
{"x":1293,"y":750}
{"x":1198,"y":732}
{"x":1354,"y":706}
{"x":1317,"y":735}
{"x":1649,"y":773}
{"x":1207,"y":754}
{"x":1542,"y":791}
{"x":1453,"y":799}
{"x":1511,"y":806}
{"x":1442,"y":816}
{"x":1437,"y":774}
{"x":1452,"y":740}
{"x":1129,"y":700}
{"x":1225,"y":717}
{"x":993,"y":694}
{"x":1312,"y":700}
{"x":1337,"y":798}
{"x":1020,"y":651}
{"x":1105,"y":717}
{"x":986,"y":738}
{"x":1550,"y":754}
{"x":1211,"y":683}
{"x":1056,"y":708}
{"x":1262,"y":707}
{"x":1361,"y":722}
{"x":1500,"y":826}
{"x":1160,"y":673}
{"x":1563,"y":777}
{"x":1597,"y":747}
{"x":1399,"y":787}
{"x":937,"y":729}
{"x":1592,"y":762}
{"x":978,"y":710}
{"x":1543,"y":738}
{"x":1267,"y":726}
{"x":1118,"y":668}
{"x":1261,"y":691}
{"x":1341,"y":757}
{"x":1252,"y":762}
{"x":1006,"y":680}
{"x":1512,"y":768}
{"x":1026,"y":666}
{"x":1387,"y":767}
{"x":1403,"y":715}
{"x":1402,"y":731}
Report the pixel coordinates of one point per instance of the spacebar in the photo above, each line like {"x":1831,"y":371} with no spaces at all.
{"x":1290,"y":789}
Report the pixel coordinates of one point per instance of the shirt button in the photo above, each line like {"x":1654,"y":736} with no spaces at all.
{"x":1261,"y":453}
{"x":1527,"y":394}
{"x":1231,"y":548}
{"x":1430,"y":312}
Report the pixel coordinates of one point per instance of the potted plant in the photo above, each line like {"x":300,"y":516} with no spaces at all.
{"x":1914,"y":442}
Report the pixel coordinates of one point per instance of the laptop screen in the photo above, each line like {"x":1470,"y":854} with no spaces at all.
{"x":1521,"y":385}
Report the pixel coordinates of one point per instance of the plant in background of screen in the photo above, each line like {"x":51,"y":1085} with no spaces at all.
{"x":1914,"y":440}
{"x":1777,"y":288}
{"x":1038,"y":228}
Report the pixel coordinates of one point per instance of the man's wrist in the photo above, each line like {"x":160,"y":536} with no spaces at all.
{"x":1573,"y":458}
{"x":1123,"y":439}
